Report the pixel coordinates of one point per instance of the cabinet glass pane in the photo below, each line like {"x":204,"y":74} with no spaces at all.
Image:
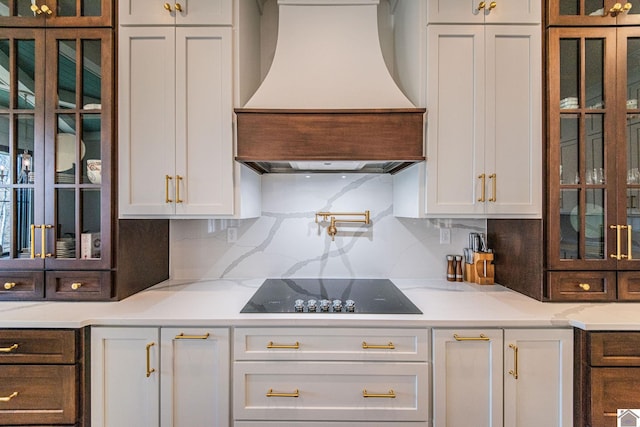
{"x":91,"y":72}
{"x":67,"y":73}
{"x":67,"y":149}
{"x":633,"y":73}
{"x":26,"y":74}
{"x":4,"y":69}
{"x":88,"y":7}
{"x":24,"y":211}
{"x":633,"y":219}
{"x":569,"y":73}
{"x":594,"y":149}
{"x":67,"y":7}
{"x":594,"y":224}
{"x":569,"y":223}
{"x":572,"y":7}
{"x":65,"y":223}
{"x":569,"y":153}
{"x":24,"y":131}
{"x":594,"y":75}
{"x":90,"y":239}
{"x":5,"y":190}
{"x":635,"y":6}
{"x":91,"y":7}
{"x":92,"y":163}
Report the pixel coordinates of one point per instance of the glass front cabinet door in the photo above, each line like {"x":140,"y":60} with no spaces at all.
{"x":593,"y":12}
{"x":594,"y":163}
{"x":56,"y":90}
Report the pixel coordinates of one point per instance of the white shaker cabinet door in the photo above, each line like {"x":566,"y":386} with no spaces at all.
{"x":180,"y":12}
{"x":125,"y":377}
{"x":478,"y":12}
{"x":467,"y":377}
{"x":538,"y":377}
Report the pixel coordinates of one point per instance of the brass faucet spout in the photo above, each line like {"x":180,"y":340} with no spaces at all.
{"x":332,"y":230}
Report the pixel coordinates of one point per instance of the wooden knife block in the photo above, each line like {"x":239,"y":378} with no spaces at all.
{"x":482,"y":271}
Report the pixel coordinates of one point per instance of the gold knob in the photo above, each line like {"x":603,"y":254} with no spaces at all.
{"x":35,"y":9}
{"x":46,"y":9}
{"x":481,"y":5}
{"x":75,"y":286}
{"x":627,"y":7}
{"x":167,"y":7}
{"x":178,"y":7}
{"x":9,"y":285}
{"x":617,"y":8}
{"x":492,"y":5}
{"x":585,"y":286}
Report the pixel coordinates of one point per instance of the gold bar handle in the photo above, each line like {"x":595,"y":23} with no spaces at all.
{"x":182,"y":336}
{"x":482,"y":337}
{"x":272,"y":345}
{"x":389,"y":346}
{"x":33,"y":240}
{"x":629,"y":242}
{"x":390,"y":395}
{"x":150,"y":370}
{"x":43,"y":241}
{"x":493,"y":179}
{"x":514,"y":371}
{"x":482,"y":178}
{"x":167,"y":178}
{"x":270,"y":393}
{"x":9,"y":349}
{"x":8,"y":398}
{"x":617,"y":254}
{"x":178,"y":182}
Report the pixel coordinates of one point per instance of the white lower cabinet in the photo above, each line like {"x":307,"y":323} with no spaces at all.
{"x":335,"y":376}
{"x":496,"y":377}
{"x":150,"y":377}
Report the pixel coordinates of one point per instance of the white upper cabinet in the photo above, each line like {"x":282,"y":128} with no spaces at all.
{"x":478,"y":12}
{"x":181,"y":12}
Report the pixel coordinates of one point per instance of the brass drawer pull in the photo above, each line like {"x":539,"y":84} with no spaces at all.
{"x":482,"y":178}
{"x":178,"y":177}
{"x":75,"y":286}
{"x":482,"y":337}
{"x":389,"y":346}
{"x":9,"y":349}
{"x":272,"y":345}
{"x":9,"y":285}
{"x":584,"y":286}
{"x":390,"y":395}
{"x":270,"y":393}
{"x":8,"y":398}
{"x":514,"y":371}
{"x":182,"y":336}
{"x":167,"y":178}
{"x":493,"y":178}
{"x":150,"y":370}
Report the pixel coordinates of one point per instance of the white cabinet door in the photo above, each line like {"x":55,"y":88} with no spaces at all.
{"x":191,"y":12}
{"x":474,"y":12}
{"x":467,"y":378}
{"x":195,"y":377}
{"x":204,"y":112}
{"x":542,"y":393}
{"x":125,"y":377}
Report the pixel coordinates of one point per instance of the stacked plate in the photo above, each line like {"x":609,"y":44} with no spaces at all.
{"x":66,"y":248}
{"x":65,"y":178}
{"x":570,"y":102}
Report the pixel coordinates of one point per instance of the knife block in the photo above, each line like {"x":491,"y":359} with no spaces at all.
{"x":482,"y":270}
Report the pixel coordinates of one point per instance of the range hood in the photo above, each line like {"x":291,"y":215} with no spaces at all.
{"x":328,"y":102}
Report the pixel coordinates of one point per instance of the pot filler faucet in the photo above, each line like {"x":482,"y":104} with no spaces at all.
{"x":332,"y":230}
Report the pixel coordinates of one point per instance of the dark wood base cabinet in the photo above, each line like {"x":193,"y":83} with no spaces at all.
{"x":607,"y":376}
{"x":42,"y":377}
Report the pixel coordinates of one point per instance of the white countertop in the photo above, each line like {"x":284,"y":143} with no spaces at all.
{"x":218,"y":303}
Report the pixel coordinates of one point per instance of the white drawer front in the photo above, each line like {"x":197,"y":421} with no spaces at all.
{"x":331,"y":344}
{"x":323,"y":424}
{"x":331,"y":391}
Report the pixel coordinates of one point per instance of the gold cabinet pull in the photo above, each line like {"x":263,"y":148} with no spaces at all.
{"x":35,"y":9}
{"x":182,"y":336}
{"x":9,"y":349}
{"x":271,"y":393}
{"x":627,"y":7}
{"x":389,"y":346}
{"x":493,"y":179}
{"x":482,"y":337}
{"x":617,"y":8}
{"x":8,"y":398}
{"x":272,"y":345}
{"x":617,"y":255}
{"x":178,"y":7}
{"x":43,"y":242}
{"x":32,"y":248}
{"x":9,"y":285}
{"x":481,"y":6}
{"x":150,"y":370}
{"x":584,"y":286}
{"x":390,"y":395}
{"x":46,"y":9}
{"x":482,"y":178}
{"x":167,"y":178}
{"x":629,"y":242}
{"x":514,"y":371}
{"x":167,"y":7}
{"x":178,"y":181}
{"x":76,"y":285}
{"x":492,"y":5}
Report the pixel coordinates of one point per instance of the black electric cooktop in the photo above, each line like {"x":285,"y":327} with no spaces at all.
{"x":374,"y":296}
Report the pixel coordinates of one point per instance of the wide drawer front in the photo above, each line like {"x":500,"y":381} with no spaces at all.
{"x":21,"y":285}
{"x":581,"y":286}
{"x":37,"y":394}
{"x":614,"y":348}
{"x":331,"y":344}
{"x":331,"y":391}
{"x":612,"y":389}
{"x":43,"y":346}
{"x":79,"y":285}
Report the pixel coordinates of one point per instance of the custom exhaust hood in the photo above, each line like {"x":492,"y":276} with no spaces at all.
{"x":328,"y":102}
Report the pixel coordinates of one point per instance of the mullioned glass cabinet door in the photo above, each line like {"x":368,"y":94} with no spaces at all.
{"x":593,"y":12}
{"x":56,"y":13}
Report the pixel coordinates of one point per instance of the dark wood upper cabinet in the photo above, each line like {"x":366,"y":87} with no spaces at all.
{"x":593,"y":12}
{"x":56,"y":13}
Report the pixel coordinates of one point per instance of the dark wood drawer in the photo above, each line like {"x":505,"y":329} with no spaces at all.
{"x":614,"y":349}
{"x":21,"y":285}
{"x":629,"y":285}
{"x":79,"y":285}
{"x":42,"y":346}
{"x":581,"y":285}
{"x":612,"y":389}
{"x":38,"y":394}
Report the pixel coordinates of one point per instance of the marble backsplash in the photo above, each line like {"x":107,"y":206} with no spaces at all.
{"x":286,"y":241}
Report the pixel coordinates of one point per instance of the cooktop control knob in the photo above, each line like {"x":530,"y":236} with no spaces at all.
{"x":325,"y":304}
{"x":312,"y":306}
{"x":350,"y":305}
{"x":299,"y":306}
{"x":337,"y":305}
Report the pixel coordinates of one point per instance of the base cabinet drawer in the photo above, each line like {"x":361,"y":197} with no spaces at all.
{"x":613,"y":389}
{"x":331,"y":391}
{"x":37,"y":394}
